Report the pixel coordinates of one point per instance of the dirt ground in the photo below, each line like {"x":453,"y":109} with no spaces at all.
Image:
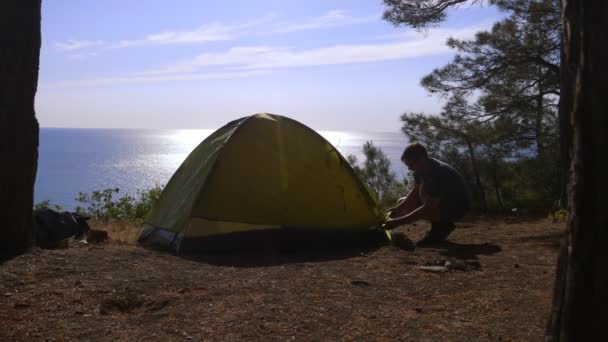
{"x":119,"y":291}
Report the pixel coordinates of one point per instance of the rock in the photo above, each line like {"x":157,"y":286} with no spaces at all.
{"x":97,"y":236}
{"x":436,"y":269}
{"x":52,"y":228}
{"x":360,"y":283}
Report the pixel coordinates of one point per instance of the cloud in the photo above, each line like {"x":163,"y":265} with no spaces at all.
{"x":247,"y":61}
{"x":264,"y":57}
{"x":129,"y":79}
{"x":331,"y":19}
{"x":202,"y":34}
{"x":80,"y":56}
{"x":221,"y":32}
{"x":72,"y":44}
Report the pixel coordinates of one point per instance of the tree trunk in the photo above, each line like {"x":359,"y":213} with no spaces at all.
{"x":565,"y":129}
{"x":480,"y":188}
{"x":581,"y":297}
{"x":19,"y":61}
{"x":497,"y":188}
{"x":540,"y":114}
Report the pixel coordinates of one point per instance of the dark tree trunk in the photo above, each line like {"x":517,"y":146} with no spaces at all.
{"x":540,"y":114}
{"x":480,"y":188}
{"x":497,"y":189}
{"x":565,"y":129}
{"x":19,"y":61}
{"x":581,"y":296}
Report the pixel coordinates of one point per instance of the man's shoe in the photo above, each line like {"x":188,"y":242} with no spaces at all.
{"x":438,"y":233}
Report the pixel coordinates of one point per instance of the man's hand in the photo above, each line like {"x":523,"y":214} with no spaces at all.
{"x":391,"y":224}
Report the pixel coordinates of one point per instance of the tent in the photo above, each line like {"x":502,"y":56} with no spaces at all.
{"x":256,"y":181}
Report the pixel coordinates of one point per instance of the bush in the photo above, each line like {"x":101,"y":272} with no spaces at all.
{"x":560,"y":215}
{"x":106,"y":205}
{"x":46,"y":204}
{"x":375,"y":173}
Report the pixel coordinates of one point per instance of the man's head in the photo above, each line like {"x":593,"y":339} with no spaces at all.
{"x":416,"y":158}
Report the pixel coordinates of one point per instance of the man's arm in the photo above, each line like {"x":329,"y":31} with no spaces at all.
{"x":406,"y":204}
{"x":429,"y":210}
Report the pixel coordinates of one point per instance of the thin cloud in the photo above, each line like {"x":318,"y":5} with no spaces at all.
{"x":247,"y":61}
{"x":221,"y":32}
{"x":202,"y":34}
{"x":261,"y":57}
{"x":129,"y":79}
{"x":81,"y":56}
{"x":72,"y":44}
{"x":331,"y":19}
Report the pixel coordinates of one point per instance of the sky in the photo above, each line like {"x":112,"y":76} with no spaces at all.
{"x":198,"y":64}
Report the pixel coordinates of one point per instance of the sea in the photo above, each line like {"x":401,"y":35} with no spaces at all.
{"x":73,"y":160}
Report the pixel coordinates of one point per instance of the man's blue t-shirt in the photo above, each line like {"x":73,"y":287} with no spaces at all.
{"x":446,"y":184}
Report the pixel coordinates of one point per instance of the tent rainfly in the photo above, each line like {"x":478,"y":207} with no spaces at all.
{"x":256,"y":181}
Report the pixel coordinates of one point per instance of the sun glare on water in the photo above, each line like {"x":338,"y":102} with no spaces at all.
{"x":183,"y":141}
{"x":336,"y":138}
{"x":188,"y":139}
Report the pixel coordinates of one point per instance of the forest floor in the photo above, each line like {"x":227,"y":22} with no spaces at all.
{"x":497,"y":285}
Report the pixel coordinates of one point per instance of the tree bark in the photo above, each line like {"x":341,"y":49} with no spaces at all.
{"x":496,"y":180}
{"x":540,"y":114}
{"x":19,"y":62}
{"x":565,"y":129}
{"x":480,"y":188}
{"x":581,"y":297}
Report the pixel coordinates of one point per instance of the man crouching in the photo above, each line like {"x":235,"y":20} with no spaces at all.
{"x":439,"y":195}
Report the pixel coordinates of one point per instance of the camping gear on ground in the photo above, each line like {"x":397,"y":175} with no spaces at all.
{"x":54,"y":228}
{"x":262,"y":180}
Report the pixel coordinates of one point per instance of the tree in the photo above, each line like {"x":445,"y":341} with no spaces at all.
{"x":581,"y":287}
{"x":19,"y":61}
{"x":581,"y":291}
{"x":502,"y":90}
{"x":421,"y":14}
{"x":377,"y":175}
{"x":513,"y":71}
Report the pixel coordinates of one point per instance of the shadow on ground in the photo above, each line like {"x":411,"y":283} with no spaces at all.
{"x":262,"y":258}
{"x":552,"y":240}
{"x":257,"y":249}
{"x":464,"y":251}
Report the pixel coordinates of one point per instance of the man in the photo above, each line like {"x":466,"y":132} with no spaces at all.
{"x":439,"y":195}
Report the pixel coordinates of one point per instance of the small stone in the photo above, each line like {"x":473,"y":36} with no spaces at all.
{"x":361,"y":283}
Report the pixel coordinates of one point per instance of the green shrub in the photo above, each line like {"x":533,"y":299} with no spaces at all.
{"x":45,"y":204}
{"x":560,"y":215}
{"x":107,"y":205}
{"x":375,"y":171}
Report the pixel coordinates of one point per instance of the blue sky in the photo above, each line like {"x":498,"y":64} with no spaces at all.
{"x":331,"y":64}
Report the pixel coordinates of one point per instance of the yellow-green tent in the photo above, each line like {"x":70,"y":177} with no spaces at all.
{"x":255,"y":179}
